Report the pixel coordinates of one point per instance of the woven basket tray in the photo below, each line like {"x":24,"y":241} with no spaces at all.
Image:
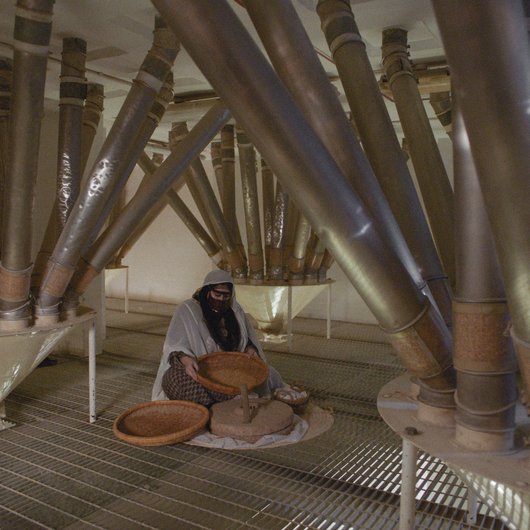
{"x":225,"y":372}
{"x":160,"y":422}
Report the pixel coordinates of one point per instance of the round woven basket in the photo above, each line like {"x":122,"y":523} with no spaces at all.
{"x":160,"y":422}
{"x":225,"y":372}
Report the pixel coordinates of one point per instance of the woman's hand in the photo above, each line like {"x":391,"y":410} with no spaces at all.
{"x":251,"y":351}
{"x":190,"y":365}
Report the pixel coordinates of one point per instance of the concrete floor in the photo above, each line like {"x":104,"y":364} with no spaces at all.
{"x":60,"y":472}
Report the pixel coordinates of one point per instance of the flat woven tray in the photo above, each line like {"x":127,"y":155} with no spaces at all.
{"x":160,"y":422}
{"x":225,"y":372}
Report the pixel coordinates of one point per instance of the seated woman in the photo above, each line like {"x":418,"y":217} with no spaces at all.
{"x":210,"y":321}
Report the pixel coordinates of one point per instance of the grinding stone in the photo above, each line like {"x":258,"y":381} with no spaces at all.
{"x":270,"y":417}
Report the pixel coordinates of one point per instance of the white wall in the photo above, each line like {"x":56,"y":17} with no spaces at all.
{"x":167,"y":264}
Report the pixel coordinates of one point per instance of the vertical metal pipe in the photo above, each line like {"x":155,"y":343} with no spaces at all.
{"x":279,"y":233}
{"x":217,"y":164}
{"x":267,"y":197}
{"x":441,"y":104}
{"x":292,"y":221}
{"x":184,"y":152}
{"x":104,"y":173}
{"x":210,"y":31}
{"x":426,"y":159}
{"x":297,"y":259}
{"x":6,"y":80}
{"x":33,"y":23}
{"x":498,"y":57}
{"x":72,"y":98}
{"x":91,"y":118}
{"x":380,"y":143}
{"x":247,"y":165}
{"x":327,"y":262}
{"x":314,"y":261}
{"x":297,"y":64}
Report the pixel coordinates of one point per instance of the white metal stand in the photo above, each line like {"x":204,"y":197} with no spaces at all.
{"x":92,"y":370}
{"x":407,"y":506}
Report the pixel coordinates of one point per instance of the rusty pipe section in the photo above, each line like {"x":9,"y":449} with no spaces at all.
{"x":91,"y":118}
{"x":199,"y":233}
{"x":197,"y":175}
{"x":267,"y":198}
{"x":279,"y":233}
{"x":426,"y":159}
{"x":217,"y":164}
{"x":72,"y":94}
{"x":183,"y":153}
{"x":6,"y":81}
{"x":33,"y":23}
{"x":249,"y":185}
{"x":380,"y":143}
{"x":498,"y":57}
{"x":105,"y":172}
{"x":210,"y":31}
{"x":441,"y":104}
{"x":298,"y":66}
{"x":483,"y":355}
{"x":297,"y":259}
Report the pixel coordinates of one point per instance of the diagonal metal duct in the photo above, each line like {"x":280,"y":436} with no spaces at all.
{"x":247,"y":165}
{"x":380,"y":143}
{"x":297,"y":259}
{"x":426,"y":159}
{"x":217,"y":163}
{"x":184,"y":152}
{"x":33,"y":23}
{"x":210,"y":32}
{"x":441,"y":104}
{"x":298,"y":66}
{"x":267,"y":198}
{"x":279,"y":233}
{"x":492,"y":85}
{"x":91,"y":118}
{"x":486,"y":384}
{"x":6,"y":81}
{"x":104,"y":173}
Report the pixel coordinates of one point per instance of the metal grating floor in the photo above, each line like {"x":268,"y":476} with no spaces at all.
{"x":60,"y":472}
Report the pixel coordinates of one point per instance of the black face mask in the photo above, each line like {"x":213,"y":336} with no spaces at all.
{"x":219,"y":306}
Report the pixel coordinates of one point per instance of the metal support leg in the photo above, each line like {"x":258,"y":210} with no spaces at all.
{"x":472,"y":507}
{"x":407,"y":507}
{"x":92,"y":370}
{"x":328,"y":327}
{"x":289,"y":317}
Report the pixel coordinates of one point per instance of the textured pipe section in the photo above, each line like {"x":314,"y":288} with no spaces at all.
{"x":33,"y":23}
{"x":91,"y":118}
{"x":210,"y":32}
{"x":298,"y":66}
{"x":72,"y":97}
{"x":483,"y":355}
{"x":441,"y":104}
{"x":249,"y":185}
{"x":297,"y":259}
{"x":267,"y":197}
{"x":102,"y":178}
{"x":183,"y":153}
{"x":6,"y":81}
{"x":426,"y":159}
{"x":217,"y":164}
{"x":292,"y":221}
{"x":279,"y":234}
{"x":380,"y":143}
{"x":498,"y":57}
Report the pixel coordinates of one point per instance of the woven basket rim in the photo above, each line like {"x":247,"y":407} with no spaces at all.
{"x":261,"y":372}
{"x":165,"y":439}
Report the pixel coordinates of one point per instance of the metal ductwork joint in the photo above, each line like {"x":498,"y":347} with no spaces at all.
{"x":105,"y":172}
{"x":33,"y":24}
{"x":441,"y":104}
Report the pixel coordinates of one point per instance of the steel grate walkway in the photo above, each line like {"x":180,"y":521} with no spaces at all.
{"x":60,"y":472}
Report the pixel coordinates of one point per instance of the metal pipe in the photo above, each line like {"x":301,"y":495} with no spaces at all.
{"x":210,"y":31}
{"x":104,"y":173}
{"x":247,"y":165}
{"x":327,"y":262}
{"x":380,"y":143}
{"x":314,"y":261}
{"x":72,"y":97}
{"x":297,"y":259}
{"x":441,"y":104}
{"x":292,"y":221}
{"x":6,"y":81}
{"x":426,"y":159}
{"x":33,"y":23}
{"x":187,"y":150}
{"x":497,"y":57}
{"x":268,"y":194}
{"x":217,"y":164}
{"x":91,"y":118}
{"x":298,"y":66}
{"x":279,"y":233}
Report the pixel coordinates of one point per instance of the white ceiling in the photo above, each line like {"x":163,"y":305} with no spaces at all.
{"x":119,"y":33}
